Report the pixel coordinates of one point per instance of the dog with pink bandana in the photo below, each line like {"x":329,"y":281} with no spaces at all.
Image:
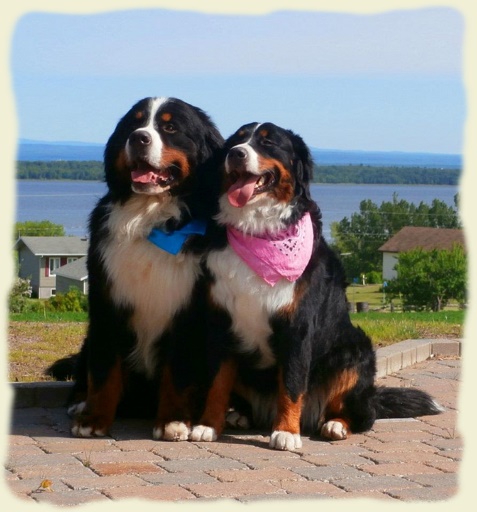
{"x":281,"y":347}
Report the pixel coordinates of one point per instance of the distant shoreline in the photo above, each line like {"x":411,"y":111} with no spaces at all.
{"x":92,"y":170}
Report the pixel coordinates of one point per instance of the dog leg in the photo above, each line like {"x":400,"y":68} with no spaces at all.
{"x":286,"y":427}
{"x":212,"y":421}
{"x":173,"y":417}
{"x":95,"y":416}
{"x":337,"y":424}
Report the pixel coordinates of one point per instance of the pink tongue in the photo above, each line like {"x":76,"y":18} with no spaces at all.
{"x":241,"y":191}
{"x":143,"y":176}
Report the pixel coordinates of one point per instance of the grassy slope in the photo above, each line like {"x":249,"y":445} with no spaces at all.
{"x":34,"y":346}
{"x":36,"y":341}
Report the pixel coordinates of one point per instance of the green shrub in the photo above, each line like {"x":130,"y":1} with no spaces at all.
{"x":374,"y":277}
{"x":19,"y":294}
{"x":73,"y":301}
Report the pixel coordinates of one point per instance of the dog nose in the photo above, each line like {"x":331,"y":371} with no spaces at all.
{"x":238,"y":153}
{"x":140,"y":138}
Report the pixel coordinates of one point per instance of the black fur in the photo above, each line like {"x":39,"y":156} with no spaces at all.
{"x":313,"y":342}
{"x":188,"y":134}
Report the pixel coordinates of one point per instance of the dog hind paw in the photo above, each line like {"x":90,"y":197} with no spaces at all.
{"x":334,"y":430}
{"x":237,"y":420}
{"x":87,"y":430}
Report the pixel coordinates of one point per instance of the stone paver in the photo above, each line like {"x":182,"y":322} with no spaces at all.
{"x":398,"y":460}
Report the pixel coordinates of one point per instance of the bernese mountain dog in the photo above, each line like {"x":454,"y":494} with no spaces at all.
{"x":146,"y":304}
{"x":279,"y":331}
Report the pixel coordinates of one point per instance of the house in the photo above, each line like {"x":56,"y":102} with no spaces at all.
{"x":40,"y":257}
{"x":411,"y":237}
{"x":72,"y":274}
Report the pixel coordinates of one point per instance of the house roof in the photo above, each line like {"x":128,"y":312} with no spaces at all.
{"x":55,"y":245}
{"x":75,"y":270}
{"x":411,"y":237}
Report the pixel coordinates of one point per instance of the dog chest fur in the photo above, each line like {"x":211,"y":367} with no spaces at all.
{"x":154,"y":283}
{"x":249,"y":300}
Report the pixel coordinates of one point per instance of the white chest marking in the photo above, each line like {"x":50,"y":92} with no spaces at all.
{"x":154,"y":283}
{"x":249,"y":300}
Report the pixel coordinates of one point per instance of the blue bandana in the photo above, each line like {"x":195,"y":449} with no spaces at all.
{"x":173,"y":242}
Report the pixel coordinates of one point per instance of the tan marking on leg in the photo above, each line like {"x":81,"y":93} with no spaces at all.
{"x":288,"y":411}
{"x":101,"y":403}
{"x":218,"y":397}
{"x":174,"y":405}
{"x":337,"y":389}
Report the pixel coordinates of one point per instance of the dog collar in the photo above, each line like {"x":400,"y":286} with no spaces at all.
{"x":273,"y":257}
{"x":172,"y":242}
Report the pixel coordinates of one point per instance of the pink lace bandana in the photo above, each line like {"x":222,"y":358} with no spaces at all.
{"x":283,"y":255}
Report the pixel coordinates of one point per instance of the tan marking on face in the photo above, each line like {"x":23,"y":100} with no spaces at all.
{"x":283,"y":190}
{"x":121,"y":166}
{"x":139,"y":114}
{"x":175,"y":157}
{"x":167,"y":116}
{"x":263,"y":133}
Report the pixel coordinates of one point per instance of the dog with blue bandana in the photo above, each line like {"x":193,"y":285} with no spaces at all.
{"x":144,"y":342}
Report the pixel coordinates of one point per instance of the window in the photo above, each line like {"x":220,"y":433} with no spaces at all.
{"x":54,"y":263}
{"x":70,"y":260}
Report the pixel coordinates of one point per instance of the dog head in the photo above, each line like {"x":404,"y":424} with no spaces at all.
{"x":161,"y":146}
{"x":266,"y":182}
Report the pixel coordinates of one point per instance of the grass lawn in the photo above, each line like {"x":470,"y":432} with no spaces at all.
{"x":387,"y":328}
{"x":37,"y":340}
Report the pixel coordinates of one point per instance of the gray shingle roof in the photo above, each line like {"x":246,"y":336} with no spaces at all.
{"x":411,"y":237}
{"x":74,"y":270}
{"x":55,"y":245}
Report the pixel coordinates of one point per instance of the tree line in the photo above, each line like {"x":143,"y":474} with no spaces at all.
{"x":359,"y":174}
{"x":359,"y":237}
{"x":392,"y":175}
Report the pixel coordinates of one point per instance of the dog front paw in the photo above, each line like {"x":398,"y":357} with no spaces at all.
{"x":172,"y":431}
{"x":203,"y":433}
{"x":282,"y":440}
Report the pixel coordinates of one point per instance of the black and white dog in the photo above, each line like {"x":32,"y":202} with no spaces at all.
{"x":279,"y":332}
{"x":146,"y":302}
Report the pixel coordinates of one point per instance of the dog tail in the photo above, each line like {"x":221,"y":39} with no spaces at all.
{"x":63,"y":369}
{"x":404,"y":403}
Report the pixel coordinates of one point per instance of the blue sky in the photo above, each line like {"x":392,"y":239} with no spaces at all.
{"x":386,"y":82}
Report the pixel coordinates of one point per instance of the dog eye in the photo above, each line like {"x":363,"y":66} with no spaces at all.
{"x":267,"y":142}
{"x":169,"y":128}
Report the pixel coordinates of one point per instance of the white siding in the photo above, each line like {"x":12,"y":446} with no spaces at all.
{"x":390,"y":260}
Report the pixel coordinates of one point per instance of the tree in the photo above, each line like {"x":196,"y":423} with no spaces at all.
{"x":360,"y":237}
{"x":429,"y":279}
{"x":38,"y":228}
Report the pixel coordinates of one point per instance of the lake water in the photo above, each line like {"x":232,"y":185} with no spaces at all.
{"x":69,"y":202}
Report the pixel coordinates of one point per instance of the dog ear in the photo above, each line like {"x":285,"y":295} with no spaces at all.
{"x":211,"y":140}
{"x":207,"y":176}
{"x":303,"y":166}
